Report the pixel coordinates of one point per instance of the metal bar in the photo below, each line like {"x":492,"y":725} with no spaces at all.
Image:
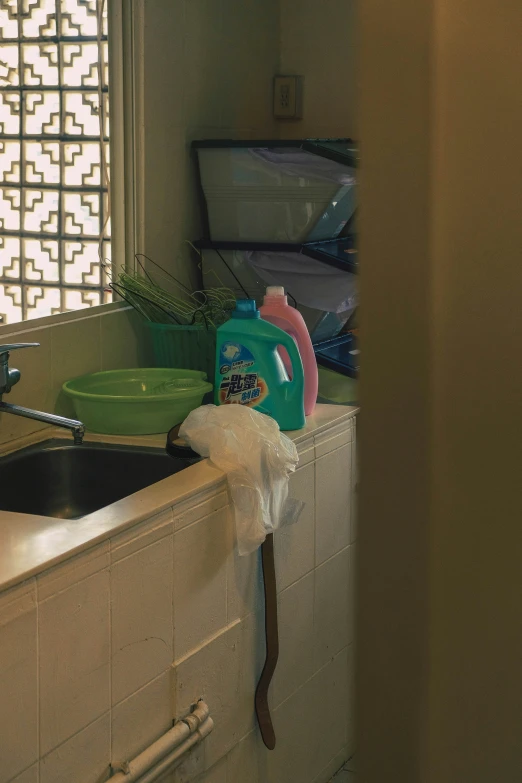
{"x":58,"y":7}
{"x":51,"y":137}
{"x":76,"y":427}
{"x":41,"y":284}
{"x":52,"y":87}
{"x":53,"y":186}
{"x":22,"y":150}
{"x":50,"y":237}
{"x":56,"y":38}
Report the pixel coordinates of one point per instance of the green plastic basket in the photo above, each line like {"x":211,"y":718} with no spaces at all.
{"x":193,"y":347}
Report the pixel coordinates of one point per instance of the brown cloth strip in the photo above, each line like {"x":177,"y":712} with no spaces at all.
{"x":272,"y":644}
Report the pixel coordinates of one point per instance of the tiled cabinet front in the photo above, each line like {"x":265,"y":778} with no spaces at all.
{"x":100,"y":653}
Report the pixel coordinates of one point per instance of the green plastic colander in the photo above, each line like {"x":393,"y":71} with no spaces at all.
{"x":136,"y":402}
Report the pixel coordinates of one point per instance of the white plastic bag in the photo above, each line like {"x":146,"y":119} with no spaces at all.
{"x":258,"y":460}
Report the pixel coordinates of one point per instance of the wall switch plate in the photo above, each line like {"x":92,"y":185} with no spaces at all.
{"x":288,"y":97}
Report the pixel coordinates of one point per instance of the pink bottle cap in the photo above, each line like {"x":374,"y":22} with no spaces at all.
{"x":275,"y":294}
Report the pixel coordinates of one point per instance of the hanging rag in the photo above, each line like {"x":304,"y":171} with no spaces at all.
{"x":258,"y":460}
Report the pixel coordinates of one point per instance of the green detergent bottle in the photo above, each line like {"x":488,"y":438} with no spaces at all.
{"x":250,"y":371}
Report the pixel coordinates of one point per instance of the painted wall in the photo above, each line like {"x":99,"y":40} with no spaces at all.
{"x":208,"y":69}
{"x":440,"y":638}
{"x":318,"y":42}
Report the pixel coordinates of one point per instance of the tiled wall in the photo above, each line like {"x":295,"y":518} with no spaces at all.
{"x":318,"y":42}
{"x":98,"y":654}
{"x":103,"y":340}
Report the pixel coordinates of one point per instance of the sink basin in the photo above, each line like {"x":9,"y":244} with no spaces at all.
{"x":57,"y":479}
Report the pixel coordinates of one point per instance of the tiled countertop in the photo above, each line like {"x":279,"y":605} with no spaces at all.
{"x":30,"y":544}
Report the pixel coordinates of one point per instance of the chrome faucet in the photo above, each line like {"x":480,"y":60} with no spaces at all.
{"x":9,"y":377}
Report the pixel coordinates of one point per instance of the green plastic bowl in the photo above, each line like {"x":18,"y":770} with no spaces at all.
{"x":136,"y":402}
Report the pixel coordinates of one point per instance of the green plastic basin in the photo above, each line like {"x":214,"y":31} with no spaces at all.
{"x":136,"y":402}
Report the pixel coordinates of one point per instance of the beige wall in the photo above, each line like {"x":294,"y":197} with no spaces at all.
{"x":318,"y":42}
{"x":440,"y":635}
{"x":208,"y":69}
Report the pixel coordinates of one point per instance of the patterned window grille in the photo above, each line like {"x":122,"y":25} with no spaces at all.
{"x":54,"y":119}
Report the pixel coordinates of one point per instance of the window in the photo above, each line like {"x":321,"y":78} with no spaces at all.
{"x":54,"y":156}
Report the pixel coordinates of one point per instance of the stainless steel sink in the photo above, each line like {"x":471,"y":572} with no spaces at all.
{"x":57,"y":479}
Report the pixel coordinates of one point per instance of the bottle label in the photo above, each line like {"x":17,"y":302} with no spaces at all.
{"x":240,"y":383}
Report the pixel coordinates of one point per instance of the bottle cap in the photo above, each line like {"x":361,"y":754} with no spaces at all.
{"x":275,"y":290}
{"x":246,"y":308}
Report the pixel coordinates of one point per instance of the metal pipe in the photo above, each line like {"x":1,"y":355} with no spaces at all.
{"x":76,"y":427}
{"x":171,"y":746}
{"x":167,"y":762}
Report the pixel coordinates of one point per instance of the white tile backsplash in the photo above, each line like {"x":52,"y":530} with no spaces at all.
{"x":296,"y":628}
{"x":34,"y":390}
{"x":248,"y":760}
{"x":174,"y":588}
{"x":74,"y":656}
{"x":224,"y":673}
{"x":76,"y":350}
{"x":84,"y":758}
{"x":18,"y":688}
{"x":189,"y":511}
{"x":333,"y":438}
{"x":217,"y":774}
{"x":302,"y":754}
{"x":294,"y":545}
{"x":244,"y":584}
{"x":28,"y":776}
{"x":331,"y":685}
{"x":351,"y":764}
{"x":141,"y":719}
{"x":306,"y":451}
{"x":352,"y":593}
{"x":332,"y":626}
{"x":201,"y":553}
{"x":123,"y":341}
{"x":138,"y":537}
{"x":142,"y":629}
{"x":355,"y":489}
{"x":293,"y":757}
{"x":334,"y":766}
{"x":72,"y":571}
{"x":333,"y":503}
{"x":17,"y":601}
{"x":253,"y":651}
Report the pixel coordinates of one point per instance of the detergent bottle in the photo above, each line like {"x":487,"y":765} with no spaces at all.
{"x":277,"y":311}
{"x":250,"y":371}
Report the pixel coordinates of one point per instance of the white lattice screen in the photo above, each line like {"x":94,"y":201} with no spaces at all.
{"x":53,"y":195}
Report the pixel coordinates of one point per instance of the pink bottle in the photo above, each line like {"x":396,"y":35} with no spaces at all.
{"x":277,"y":311}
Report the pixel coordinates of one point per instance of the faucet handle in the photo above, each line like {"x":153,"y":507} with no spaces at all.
{"x":9,"y":377}
{"x":13,"y":346}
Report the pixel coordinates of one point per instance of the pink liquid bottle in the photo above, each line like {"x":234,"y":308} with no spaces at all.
{"x":277,"y":311}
